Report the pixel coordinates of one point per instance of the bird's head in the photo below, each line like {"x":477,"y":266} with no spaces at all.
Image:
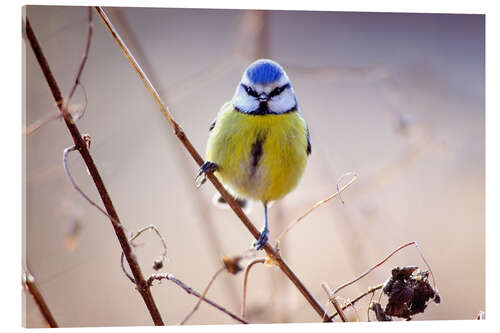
{"x":264,"y":89}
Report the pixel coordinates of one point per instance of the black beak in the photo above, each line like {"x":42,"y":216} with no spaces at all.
{"x":263,"y":97}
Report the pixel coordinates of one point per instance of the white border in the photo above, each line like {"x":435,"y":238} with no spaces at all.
{"x":11,"y":152}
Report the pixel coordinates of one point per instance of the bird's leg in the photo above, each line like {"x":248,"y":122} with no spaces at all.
{"x":205,"y":168}
{"x":264,"y":235}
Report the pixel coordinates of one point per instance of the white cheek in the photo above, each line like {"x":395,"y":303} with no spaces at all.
{"x":283,"y":102}
{"x":243,"y":102}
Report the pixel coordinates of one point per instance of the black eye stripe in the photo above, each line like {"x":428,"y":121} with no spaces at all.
{"x":278,"y":90}
{"x":249,"y":90}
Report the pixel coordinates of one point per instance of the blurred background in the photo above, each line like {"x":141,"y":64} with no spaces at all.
{"x":396,"y":98}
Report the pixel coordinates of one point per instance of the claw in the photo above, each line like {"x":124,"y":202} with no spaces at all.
{"x":205,"y":168}
{"x":262,"y":241}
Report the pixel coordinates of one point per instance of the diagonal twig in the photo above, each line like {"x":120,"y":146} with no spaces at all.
{"x":354,"y":301}
{"x":81,"y":146}
{"x":30,"y":285}
{"x":339,"y":288}
{"x":84,"y":59}
{"x":333,"y":300}
{"x":191,"y":291}
{"x":197,"y":305}
{"x":79,"y":190}
{"x":271,"y":252}
{"x":316,"y":205}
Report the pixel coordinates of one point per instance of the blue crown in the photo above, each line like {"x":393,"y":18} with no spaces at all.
{"x":264,"y":71}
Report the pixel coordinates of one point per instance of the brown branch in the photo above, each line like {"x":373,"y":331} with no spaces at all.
{"x":81,"y":146}
{"x":193,"y":292}
{"x":333,"y":300}
{"x":271,"y":252}
{"x":30,"y":285}
{"x":245,"y":281}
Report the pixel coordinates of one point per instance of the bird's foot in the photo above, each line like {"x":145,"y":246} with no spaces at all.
{"x":205,"y":168}
{"x":262,"y":241}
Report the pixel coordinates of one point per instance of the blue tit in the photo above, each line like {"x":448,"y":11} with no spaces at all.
{"x":259,"y":143}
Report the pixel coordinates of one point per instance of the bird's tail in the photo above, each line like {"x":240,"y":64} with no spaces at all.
{"x":246,"y":205}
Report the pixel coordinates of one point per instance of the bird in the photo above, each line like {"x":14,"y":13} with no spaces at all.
{"x":259,"y":143}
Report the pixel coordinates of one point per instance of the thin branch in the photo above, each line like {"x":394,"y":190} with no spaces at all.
{"x":81,"y":146}
{"x":40,"y":122}
{"x":84,"y":59}
{"x":271,"y":252}
{"x":193,"y":292}
{"x":333,"y":300}
{"x":383,"y":261}
{"x":76,"y":111}
{"x":158,"y":263}
{"x":245,"y":280}
{"x":369,"y":306}
{"x":30,"y":285}
{"x":79,"y":190}
{"x":124,"y":270}
{"x":354,"y":301}
{"x":197,"y":305}
{"x":319,"y":203}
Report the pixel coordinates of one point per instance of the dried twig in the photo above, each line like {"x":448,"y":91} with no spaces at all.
{"x":193,"y":292}
{"x":319,"y":203}
{"x":158,"y":263}
{"x":81,"y":146}
{"x":75,"y":111}
{"x":245,"y":281}
{"x":30,"y":285}
{"x":84,"y":60}
{"x":78,"y":113}
{"x":383,"y":261}
{"x":197,"y":305}
{"x":354,"y":301}
{"x":79,"y":190}
{"x":333,"y":300}
{"x":271,"y":252}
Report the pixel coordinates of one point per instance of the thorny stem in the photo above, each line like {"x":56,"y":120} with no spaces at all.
{"x":191,"y":291}
{"x":81,"y":146}
{"x":383,"y":261}
{"x":245,"y":281}
{"x":319,"y":203}
{"x":30,"y":285}
{"x":271,"y":252}
{"x":197,"y":305}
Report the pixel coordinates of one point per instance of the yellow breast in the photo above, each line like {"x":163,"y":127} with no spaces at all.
{"x":258,"y":156}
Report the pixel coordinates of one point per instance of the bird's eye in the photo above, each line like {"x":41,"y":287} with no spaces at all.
{"x":250,"y":91}
{"x":278,"y":90}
